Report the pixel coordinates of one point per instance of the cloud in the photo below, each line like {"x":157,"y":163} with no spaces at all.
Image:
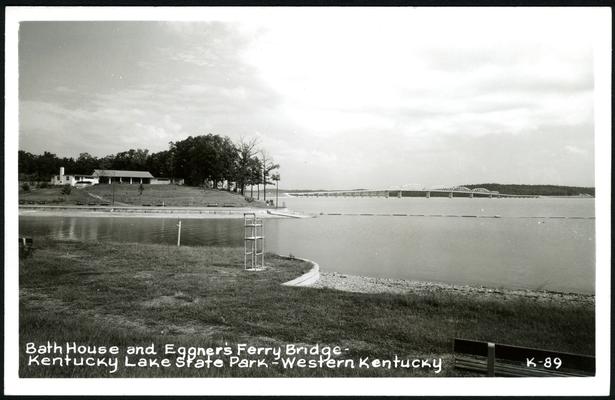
{"x":486,"y":77}
{"x":94,"y":131}
{"x":575,"y":150}
{"x":355,"y":98}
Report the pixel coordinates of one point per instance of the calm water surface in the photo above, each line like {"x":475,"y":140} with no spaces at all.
{"x":530,"y":245}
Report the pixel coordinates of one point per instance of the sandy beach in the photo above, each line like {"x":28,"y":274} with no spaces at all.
{"x":364,"y":284}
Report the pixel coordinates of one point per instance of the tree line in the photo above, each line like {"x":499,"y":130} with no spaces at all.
{"x":199,"y":160}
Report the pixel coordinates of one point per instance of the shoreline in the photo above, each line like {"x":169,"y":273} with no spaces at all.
{"x":366,"y":284}
{"x":154,"y":212}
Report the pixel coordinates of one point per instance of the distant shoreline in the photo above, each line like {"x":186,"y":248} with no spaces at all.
{"x":479,"y":189}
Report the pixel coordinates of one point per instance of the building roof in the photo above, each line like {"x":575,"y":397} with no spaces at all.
{"x":113,"y":173}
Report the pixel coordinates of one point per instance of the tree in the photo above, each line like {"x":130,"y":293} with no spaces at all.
{"x":47,"y":165}
{"x":131,"y":160}
{"x":161,"y":164}
{"x":226,"y":160}
{"x":267,"y":167}
{"x":246,"y":150}
{"x":205,"y":158}
{"x":105,"y":163}
{"x":26,"y":164}
{"x":190,"y":161}
{"x":85,"y":164}
{"x":200,"y":160}
{"x":254,"y":175}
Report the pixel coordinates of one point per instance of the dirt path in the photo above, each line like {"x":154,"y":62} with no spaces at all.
{"x":117,"y":203}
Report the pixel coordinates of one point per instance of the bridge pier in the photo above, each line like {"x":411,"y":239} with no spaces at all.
{"x":471,"y":195}
{"x":428,"y":194}
{"x":450,"y":195}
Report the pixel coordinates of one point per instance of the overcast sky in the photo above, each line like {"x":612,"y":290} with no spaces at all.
{"x":372,"y":100}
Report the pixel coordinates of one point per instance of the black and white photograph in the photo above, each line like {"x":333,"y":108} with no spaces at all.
{"x":277,"y":193}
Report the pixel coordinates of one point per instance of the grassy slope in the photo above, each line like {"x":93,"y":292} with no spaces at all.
{"x":126,"y":294}
{"x":53,"y":195}
{"x":171,"y":195}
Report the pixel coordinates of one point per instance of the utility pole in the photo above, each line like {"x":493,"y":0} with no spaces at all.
{"x":264,"y":179}
{"x":276,"y":178}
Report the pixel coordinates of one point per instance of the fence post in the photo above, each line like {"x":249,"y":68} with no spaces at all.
{"x":490,"y":359}
{"x":179,"y":233}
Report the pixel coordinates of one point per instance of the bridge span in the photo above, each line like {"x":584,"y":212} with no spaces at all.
{"x":459,"y":191}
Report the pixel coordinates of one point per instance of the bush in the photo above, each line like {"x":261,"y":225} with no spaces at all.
{"x":43,"y":185}
{"x":66,"y":189}
{"x":25,"y":187}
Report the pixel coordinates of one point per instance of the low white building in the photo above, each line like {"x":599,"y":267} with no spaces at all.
{"x":109,"y":176}
{"x":130,"y":177}
{"x":73,"y":180}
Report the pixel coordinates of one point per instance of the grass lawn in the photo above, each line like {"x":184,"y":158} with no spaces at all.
{"x":53,"y":195}
{"x":126,"y":194}
{"x":133,"y":294}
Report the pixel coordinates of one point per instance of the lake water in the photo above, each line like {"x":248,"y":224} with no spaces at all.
{"x":545,"y":243}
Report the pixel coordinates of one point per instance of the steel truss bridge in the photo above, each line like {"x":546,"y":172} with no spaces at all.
{"x":436,"y":191}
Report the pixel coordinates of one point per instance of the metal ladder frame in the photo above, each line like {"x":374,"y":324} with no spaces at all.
{"x":254,"y":231}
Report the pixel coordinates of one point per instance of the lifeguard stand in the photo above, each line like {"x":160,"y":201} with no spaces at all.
{"x":254,"y":242}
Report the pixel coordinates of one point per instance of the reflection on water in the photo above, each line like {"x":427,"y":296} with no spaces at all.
{"x":195,"y":232}
{"x":511,"y":251}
